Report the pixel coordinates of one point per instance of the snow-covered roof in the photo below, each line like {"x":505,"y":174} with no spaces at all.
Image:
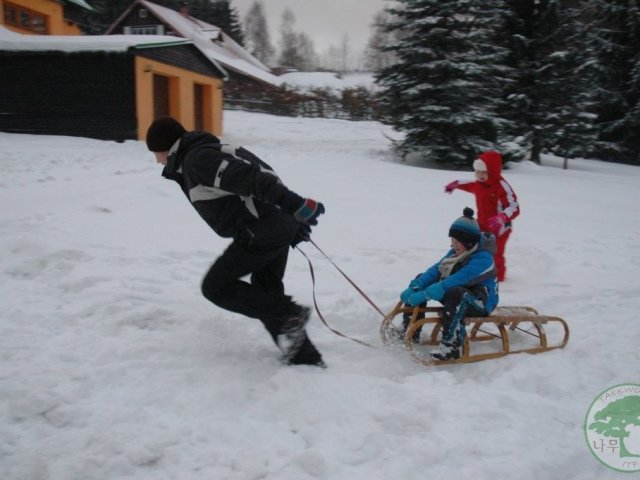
{"x":311,"y":80}
{"x":82,"y":3}
{"x":212,"y":42}
{"x":12,"y":41}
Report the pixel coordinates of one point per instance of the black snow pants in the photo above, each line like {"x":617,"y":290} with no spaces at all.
{"x":264,"y":258}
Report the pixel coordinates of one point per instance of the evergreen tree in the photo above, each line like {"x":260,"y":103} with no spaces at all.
{"x":257,"y":39}
{"x":444,"y":90}
{"x":227,"y":19}
{"x":106,"y":12}
{"x":615,"y":41}
{"x":546,"y":101}
{"x":571,"y":131}
{"x":631,"y":141}
{"x":218,"y":13}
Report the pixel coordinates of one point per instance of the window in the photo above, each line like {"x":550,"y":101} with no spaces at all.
{"x":10,"y":15}
{"x":25,"y":19}
{"x":38,"y":24}
{"x":142,"y":13}
{"x":144,"y":30}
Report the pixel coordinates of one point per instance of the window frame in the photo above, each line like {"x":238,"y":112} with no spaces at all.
{"x":24,"y":18}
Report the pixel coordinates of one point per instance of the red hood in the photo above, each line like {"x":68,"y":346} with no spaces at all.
{"x":493,"y":161}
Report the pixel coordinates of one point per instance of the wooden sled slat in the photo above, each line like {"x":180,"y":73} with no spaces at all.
{"x":504,"y":321}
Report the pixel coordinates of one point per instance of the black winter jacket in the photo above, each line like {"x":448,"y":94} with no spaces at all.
{"x":234,"y":191}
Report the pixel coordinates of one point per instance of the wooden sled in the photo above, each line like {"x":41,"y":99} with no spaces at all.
{"x":492,"y":333}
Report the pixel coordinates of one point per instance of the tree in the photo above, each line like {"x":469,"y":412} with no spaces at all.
{"x":631,"y":141}
{"x":546,"y":55}
{"x":231,"y":23}
{"x":257,"y":39}
{"x":289,"y":55}
{"x":377,"y":55}
{"x":614,"y":39}
{"x":570,"y":130}
{"x":344,"y":51}
{"x":218,"y":13}
{"x":106,"y":12}
{"x":443,"y":91}
{"x":307,"y":53}
{"x":612,"y":420}
{"x":331,"y":58}
{"x":296,"y":49}
{"x":337,"y":58}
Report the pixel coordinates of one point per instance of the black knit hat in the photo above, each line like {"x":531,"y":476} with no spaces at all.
{"x":163,"y":133}
{"x":465,"y":229}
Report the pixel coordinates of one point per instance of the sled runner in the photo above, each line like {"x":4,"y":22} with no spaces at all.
{"x":506,"y":331}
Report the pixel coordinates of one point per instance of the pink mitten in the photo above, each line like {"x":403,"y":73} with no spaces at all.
{"x":451,"y":186}
{"x":497,"y":222}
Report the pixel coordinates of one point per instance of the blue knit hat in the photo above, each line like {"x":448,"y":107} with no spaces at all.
{"x":465,"y":229}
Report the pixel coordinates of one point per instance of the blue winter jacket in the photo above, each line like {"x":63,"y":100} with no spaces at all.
{"x":478,"y":269}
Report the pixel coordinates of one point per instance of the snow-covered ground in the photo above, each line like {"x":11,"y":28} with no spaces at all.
{"x":114,"y":367}
{"x":330,"y":80}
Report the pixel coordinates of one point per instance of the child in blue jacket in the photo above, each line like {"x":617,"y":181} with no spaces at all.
{"x":464,"y":281}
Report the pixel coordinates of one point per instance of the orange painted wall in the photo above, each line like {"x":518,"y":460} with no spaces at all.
{"x":54,"y":11}
{"x":181,"y":93}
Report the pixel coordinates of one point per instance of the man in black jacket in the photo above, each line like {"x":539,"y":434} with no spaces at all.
{"x":241,"y":197}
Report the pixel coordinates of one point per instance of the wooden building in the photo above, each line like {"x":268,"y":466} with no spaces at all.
{"x":243,"y":69}
{"x":106,"y":87}
{"x":43,"y":17}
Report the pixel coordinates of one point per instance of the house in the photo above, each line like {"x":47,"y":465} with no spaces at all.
{"x":43,"y":17}
{"x":242,"y":68}
{"x":106,"y":87}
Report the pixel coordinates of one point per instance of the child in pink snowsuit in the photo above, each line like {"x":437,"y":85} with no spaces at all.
{"x":496,"y":202}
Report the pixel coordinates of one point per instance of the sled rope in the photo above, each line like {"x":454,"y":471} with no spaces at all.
{"x":315,"y":302}
{"x":364,"y":295}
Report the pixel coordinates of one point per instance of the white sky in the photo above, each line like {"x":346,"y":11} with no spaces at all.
{"x":325,"y":21}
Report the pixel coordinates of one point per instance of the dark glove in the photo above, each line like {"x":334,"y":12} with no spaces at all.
{"x":302,"y":235}
{"x":304,"y":210}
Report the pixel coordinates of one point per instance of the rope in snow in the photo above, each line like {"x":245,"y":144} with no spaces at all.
{"x":364,"y":295}
{"x":315,"y":302}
